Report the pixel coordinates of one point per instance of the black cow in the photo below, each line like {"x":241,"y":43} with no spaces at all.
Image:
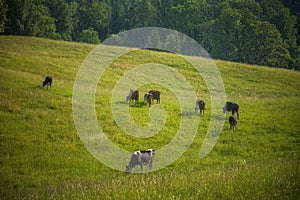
{"x":48,"y":81}
{"x":233,"y":107}
{"x":148,"y":97}
{"x":232,"y":122}
{"x":155,"y":95}
{"x":133,"y":95}
{"x":141,"y":157}
{"x":200,"y":104}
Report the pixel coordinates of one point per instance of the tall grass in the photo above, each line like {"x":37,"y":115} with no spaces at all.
{"x":42,"y":157}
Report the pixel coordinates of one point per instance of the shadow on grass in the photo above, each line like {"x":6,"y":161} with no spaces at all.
{"x":188,"y":114}
{"x":37,"y":87}
{"x":132,"y":104}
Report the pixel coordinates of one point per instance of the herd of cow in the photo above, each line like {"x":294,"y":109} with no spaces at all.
{"x":141,"y":157}
{"x":148,"y":97}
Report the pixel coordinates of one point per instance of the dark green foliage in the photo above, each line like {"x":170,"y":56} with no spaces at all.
{"x":89,"y":36}
{"x":63,"y":13}
{"x":3,"y":19}
{"x":30,"y":18}
{"x":93,"y":14}
{"x":262,"y":32}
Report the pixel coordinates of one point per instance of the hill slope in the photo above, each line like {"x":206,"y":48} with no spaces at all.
{"x":42,"y":155}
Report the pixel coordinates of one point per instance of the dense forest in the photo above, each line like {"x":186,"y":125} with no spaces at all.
{"x":262,"y":32}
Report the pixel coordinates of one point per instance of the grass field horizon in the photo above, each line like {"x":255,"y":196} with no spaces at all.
{"x":42,"y":156}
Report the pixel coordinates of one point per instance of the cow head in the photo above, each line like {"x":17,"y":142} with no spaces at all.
{"x":127,"y":168}
{"x":225,"y":108}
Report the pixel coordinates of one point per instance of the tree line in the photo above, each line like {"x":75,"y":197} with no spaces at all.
{"x":262,"y":32}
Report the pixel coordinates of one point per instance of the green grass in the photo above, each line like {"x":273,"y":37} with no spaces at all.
{"x":42,"y":156}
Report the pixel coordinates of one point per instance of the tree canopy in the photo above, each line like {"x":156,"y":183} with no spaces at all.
{"x":263,"y":32}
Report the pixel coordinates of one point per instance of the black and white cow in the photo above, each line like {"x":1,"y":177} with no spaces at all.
{"x":133,"y":96}
{"x":48,"y":81}
{"x":230,"y":106}
{"x":140,"y":158}
{"x":200,"y":104}
{"x":148,"y":97}
{"x":232,"y":122}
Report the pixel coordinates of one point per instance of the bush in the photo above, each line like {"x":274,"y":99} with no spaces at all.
{"x":89,"y":36}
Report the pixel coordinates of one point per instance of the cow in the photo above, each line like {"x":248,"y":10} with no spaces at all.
{"x":200,"y":104}
{"x":156,"y":95}
{"x":233,"y":107}
{"x":232,"y":122}
{"x":133,"y":95}
{"x":148,"y":97}
{"x":140,"y":158}
{"x":48,"y":81}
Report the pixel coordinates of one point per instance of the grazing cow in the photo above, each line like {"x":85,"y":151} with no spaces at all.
{"x":232,"y":122}
{"x":148,"y":97}
{"x":233,"y":107}
{"x":133,"y":95}
{"x":48,"y":81}
{"x":141,"y":157}
{"x":200,"y":104}
{"x":155,"y":95}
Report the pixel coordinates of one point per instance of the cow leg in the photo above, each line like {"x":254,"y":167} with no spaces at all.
{"x":142,"y":167}
{"x":150,"y":165}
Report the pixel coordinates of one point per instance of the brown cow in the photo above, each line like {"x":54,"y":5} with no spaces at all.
{"x":155,"y":95}
{"x":133,"y":95}
{"x":232,"y":122}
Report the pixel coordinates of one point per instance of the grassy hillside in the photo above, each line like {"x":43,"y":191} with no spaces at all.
{"x":42,"y":156}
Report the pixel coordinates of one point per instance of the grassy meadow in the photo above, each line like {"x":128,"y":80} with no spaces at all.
{"x":42,"y":156}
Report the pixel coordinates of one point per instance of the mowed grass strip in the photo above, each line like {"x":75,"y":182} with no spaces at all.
{"x":42,"y":156}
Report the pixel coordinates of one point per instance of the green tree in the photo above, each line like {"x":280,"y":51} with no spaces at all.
{"x":276,"y":13}
{"x":227,"y":28}
{"x":61,"y":11}
{"x":264,"y":46}
{"x":154,"y":40}
{"x":280,"y":57}
{"x":46,"y":28}
{"x":231,"y":25}
{"x":188,"y":16}
{"x":89,"y":36}
{"x":117,"y":15}
{"x":29,"y":17}
{"x":3,"y":18}
{"x":172,"y":42}
{"x":141,"y":13}
{"x":93,"y":14}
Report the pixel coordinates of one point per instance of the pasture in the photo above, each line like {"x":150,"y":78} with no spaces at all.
{"x":42,"y":156}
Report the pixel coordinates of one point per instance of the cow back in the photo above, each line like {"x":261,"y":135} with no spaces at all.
{"x":155,"y":95}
